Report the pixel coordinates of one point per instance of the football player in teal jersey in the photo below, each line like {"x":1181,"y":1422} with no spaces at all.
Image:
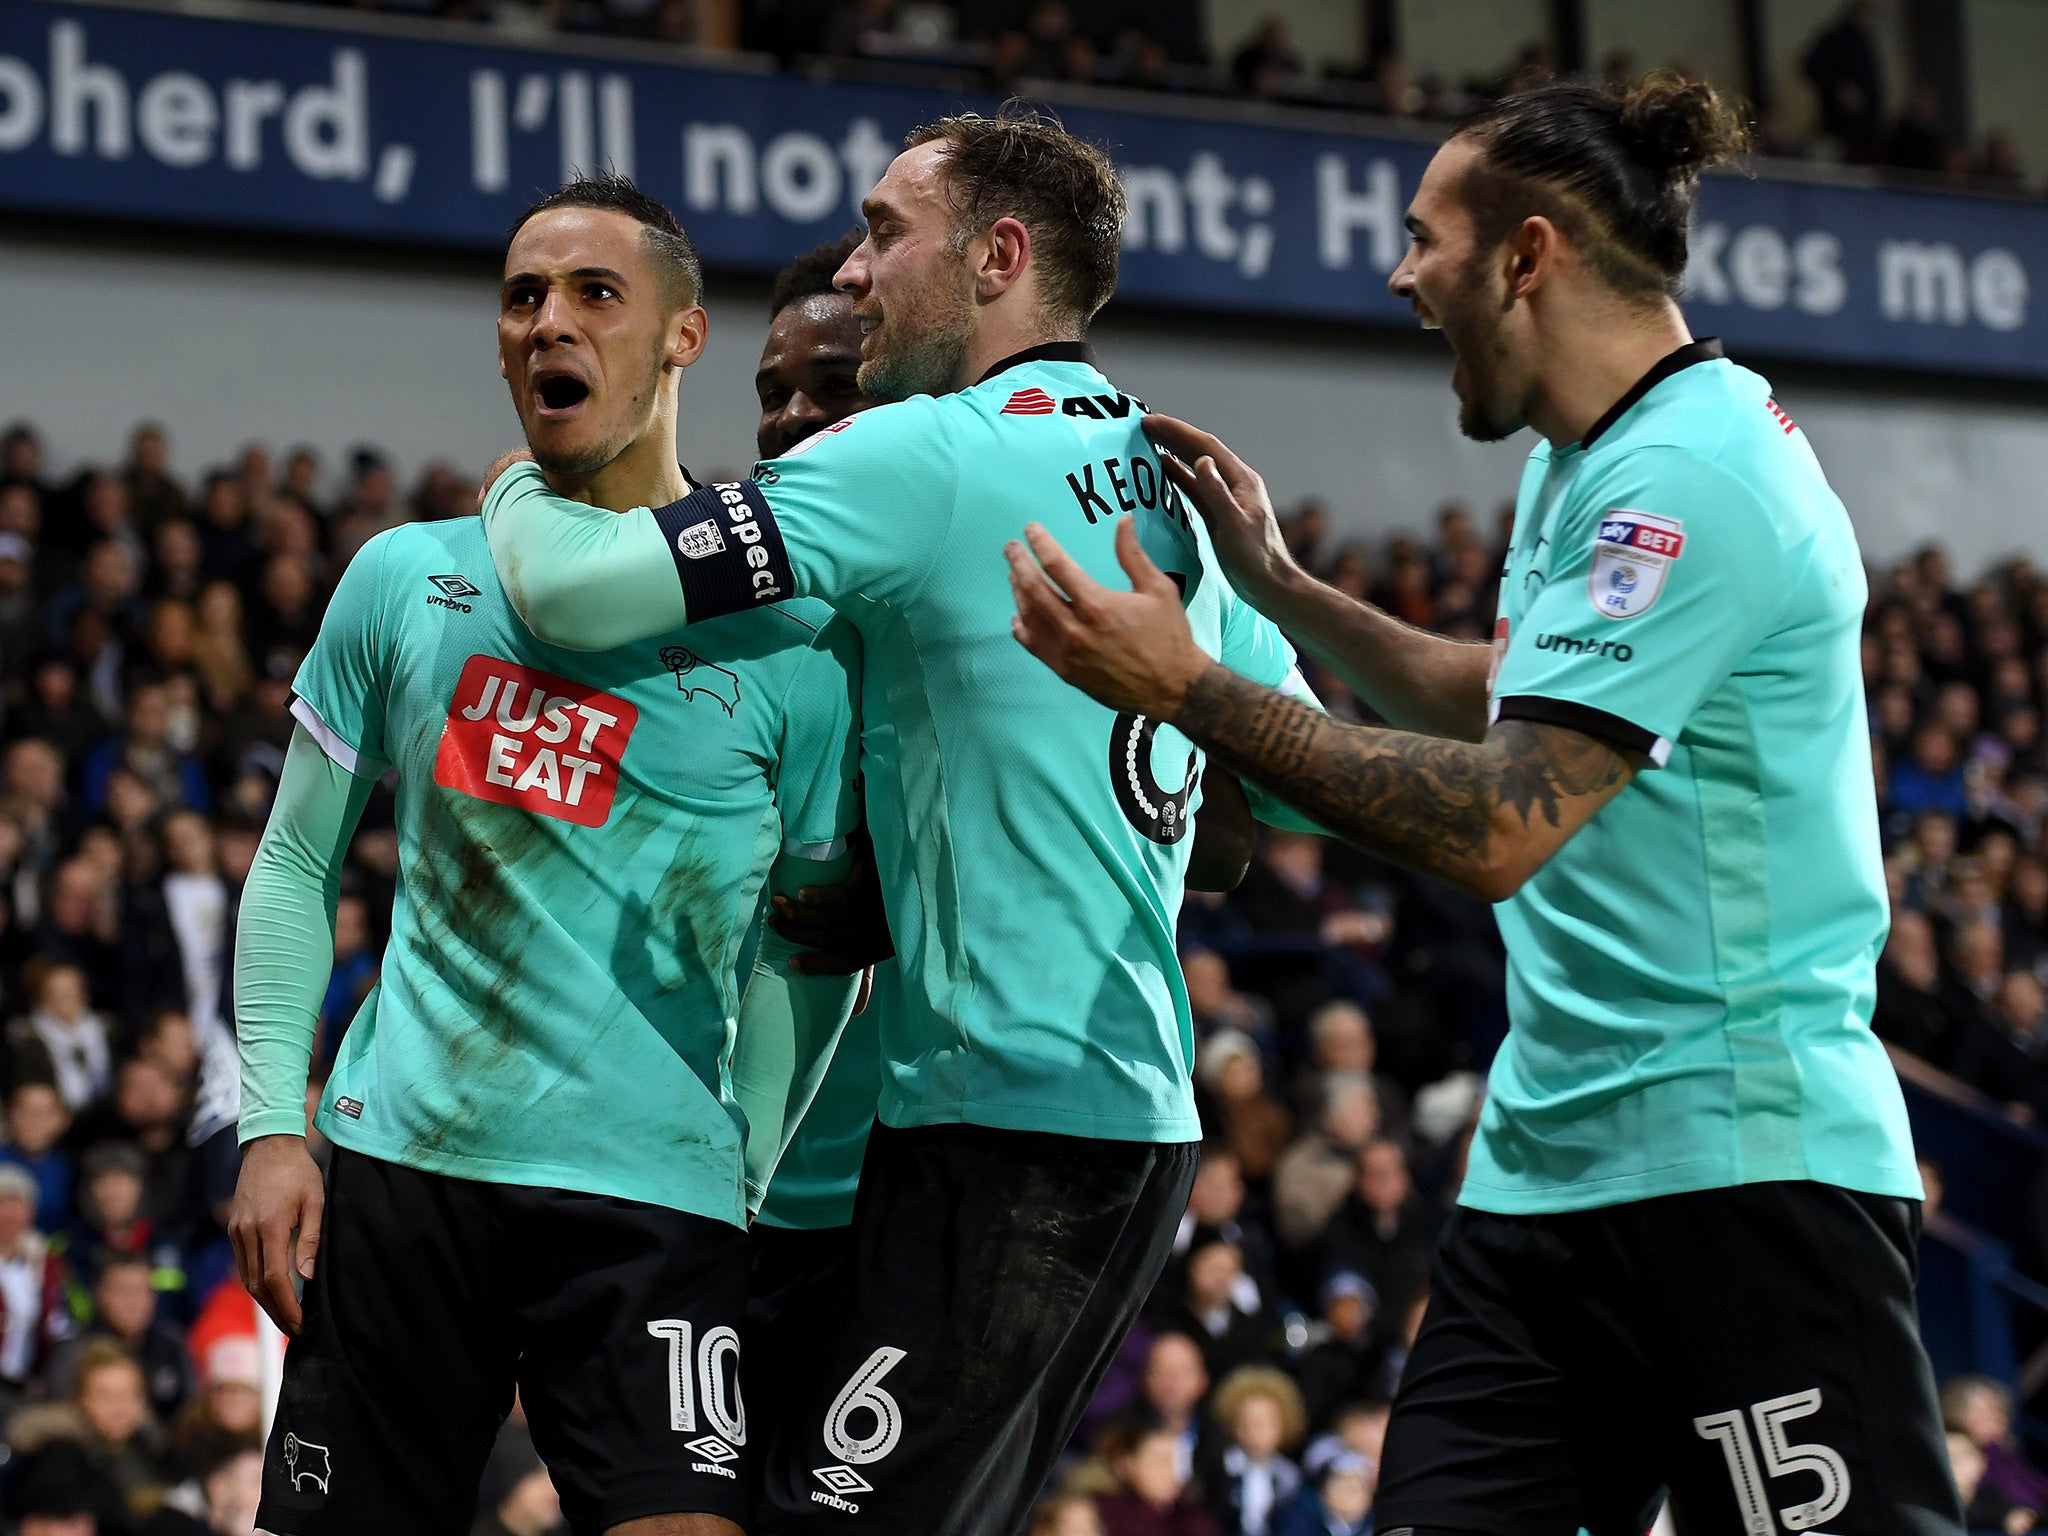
{"x":547,"y":1140}
{"x":1037,"y":1129}
{"x":1685,"y":1251}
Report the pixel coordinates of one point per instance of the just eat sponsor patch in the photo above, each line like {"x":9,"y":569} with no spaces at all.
{"x":522,"y":737}
{"x":1631,"y":557}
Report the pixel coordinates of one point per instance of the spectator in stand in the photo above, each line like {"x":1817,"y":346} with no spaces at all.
{"x":32,"y":1318}
{"x":1844,"y":68}
{"x":225,"y":538}
{"x":1999,"y":162}
{"x":1264,"y":65}
{"x":177,"y":567}
{"x":152,"y":492}
{"x":1175,"y":1382}
{"x":1341,"y":1044}
{"x":1216,"y":1208}
{"x":60,"y":1488}
{"x":124,"y":1313}
{"x":1237,"y":1107}
{"x":111,"y":1400}
{"x":1918,"y":141}
{"x":1984,"y":1509}
{"x":1286,"y":894}
{"x":1981,"y":1408}
{"x":1912,"y":1011}
{"x":229,"y":1488}
{"x":1932,"y":778}
{"x":1317,"y":1172}
{"x":2001,"y":1049}
{"x":1383,"y":1230}
{"x":63,"y":1041}
{"x":146,"y":1113}
{"x":37,"y":1121}
{"x":143,"y":747}
{"x":1067,"y":1514}
{"x":1216,"y":1005}
{"x":1207,"y":1309}
{"x":1152,"y":1496}
{"x":111,"y":1220}
{"x":1260,"y":1413}
{"x":1359,"y":1430}
{"x":1343,"y":1362}
{"x":1339,"y":1503}
{"x":227,"y":1409}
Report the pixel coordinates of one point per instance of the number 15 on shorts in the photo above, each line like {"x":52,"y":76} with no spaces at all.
{"x":1778,"y":1458}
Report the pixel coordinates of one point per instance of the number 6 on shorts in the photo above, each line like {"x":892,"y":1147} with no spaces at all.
{"x":865,"y":1391}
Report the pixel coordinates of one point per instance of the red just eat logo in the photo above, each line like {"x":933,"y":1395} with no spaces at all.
{"x":1030,"y":402}
{"x":519,"y":736}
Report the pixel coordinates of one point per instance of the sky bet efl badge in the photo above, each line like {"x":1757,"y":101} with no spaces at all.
{"x":1634,"y":551}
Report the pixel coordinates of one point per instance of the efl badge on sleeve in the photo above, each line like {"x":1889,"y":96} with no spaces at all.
{"x":1630,"y":559}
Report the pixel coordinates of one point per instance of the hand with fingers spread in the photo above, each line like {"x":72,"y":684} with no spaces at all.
{"x":1231,"y":496}
{"x":274,"y":1224}
{"x":1131,"y":650}
{"x":842,"y":927}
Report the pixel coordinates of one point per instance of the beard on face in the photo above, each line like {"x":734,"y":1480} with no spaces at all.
{"x":922,"y":340}
{"x":1471,"y":321}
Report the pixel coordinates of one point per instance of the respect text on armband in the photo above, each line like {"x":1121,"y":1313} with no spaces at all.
{"x":728,"y":550}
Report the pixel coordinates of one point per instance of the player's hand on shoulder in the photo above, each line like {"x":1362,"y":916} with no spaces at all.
{"x":274,"y":1224}
{"x":499,"y":465}
{"x":842,"y":928}
{"x":1231,"y":496}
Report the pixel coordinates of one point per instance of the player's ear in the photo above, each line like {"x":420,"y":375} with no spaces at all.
{"x":1530,"y":253}
{"x":687,"y":331}
{"x":1007,"y":253}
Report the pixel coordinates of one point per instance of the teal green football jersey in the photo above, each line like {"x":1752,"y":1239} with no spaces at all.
{"x":1690,"y":978}
{"x":815,"y":1183}
{"x":1031,"y":842}
{"x":583,"y":839}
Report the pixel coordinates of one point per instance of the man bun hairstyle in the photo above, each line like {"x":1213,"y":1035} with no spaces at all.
{"x":1022,"y":164}
{"x":811,"y":273}
{"x":1616,"y":170}
{"x":676,"y":262}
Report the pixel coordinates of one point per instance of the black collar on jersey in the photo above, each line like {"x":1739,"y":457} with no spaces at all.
{"x":1049,"y":352}
{"x":1706,"y":349}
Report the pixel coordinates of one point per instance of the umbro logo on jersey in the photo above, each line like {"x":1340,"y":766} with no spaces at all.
{"x":1030,"y":402}
{"x":450,"y":592}
{"x":716,"y":1454}
{"x":842,"y":1480}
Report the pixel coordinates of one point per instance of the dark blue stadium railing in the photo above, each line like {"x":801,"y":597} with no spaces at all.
{"x":1976,"y":1307}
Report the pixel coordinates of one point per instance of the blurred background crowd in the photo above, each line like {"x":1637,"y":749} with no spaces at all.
{"x":151,"y":621}
{"x":1181,"y":47}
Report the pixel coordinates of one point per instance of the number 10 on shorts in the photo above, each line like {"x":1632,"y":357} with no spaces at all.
{"x":713,"y":1385}
{"x":1779,"y":1459}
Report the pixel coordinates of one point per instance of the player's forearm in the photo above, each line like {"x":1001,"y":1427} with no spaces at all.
{"x":1418,"y":681}
{"x":1481,"y":815}
{"x":284,"y":942}
{"x":581,"y":577}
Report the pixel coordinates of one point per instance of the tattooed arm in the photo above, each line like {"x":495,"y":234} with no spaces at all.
{"x":1483,"y":815}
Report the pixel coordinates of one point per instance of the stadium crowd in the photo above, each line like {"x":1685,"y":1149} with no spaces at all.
{"x":150,"y":628}
{"x":1168,"y":46}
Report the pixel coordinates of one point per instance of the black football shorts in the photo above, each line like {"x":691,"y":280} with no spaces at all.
{"x":434,"y":1297}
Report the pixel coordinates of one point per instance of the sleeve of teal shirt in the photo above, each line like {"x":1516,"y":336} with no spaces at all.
{"x":344,"y":681}
{"x":820,"y":756}
{"x":863,"y":508}
{"x":1667,"y":572}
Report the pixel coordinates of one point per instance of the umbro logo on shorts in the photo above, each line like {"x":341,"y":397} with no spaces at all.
{"x":842,"y":1480}
{"x":449,"y":592}
{"x":716,"y":1454}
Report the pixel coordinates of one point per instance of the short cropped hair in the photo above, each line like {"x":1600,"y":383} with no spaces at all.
{"x":1022,"y":165}
{"x":811,"y":273}
{"x":676,"y":262}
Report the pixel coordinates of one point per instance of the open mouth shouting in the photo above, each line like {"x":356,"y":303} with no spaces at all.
{"x":559,"y":392}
